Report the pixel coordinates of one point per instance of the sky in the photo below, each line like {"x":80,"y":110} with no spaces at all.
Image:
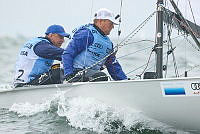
{"x":32,"y":17}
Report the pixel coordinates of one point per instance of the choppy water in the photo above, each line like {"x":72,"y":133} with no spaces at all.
{"x":86,"y":115}
{"x":77,"y":115}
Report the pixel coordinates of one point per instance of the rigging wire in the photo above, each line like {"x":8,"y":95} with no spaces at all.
{"x":169,"y":32}
{"x":170,"y":49}
{"x":174,"y":59}
{"x":170,"y":46}
{"x":196,"y":66}
{"x":145,"y":47}
{"x":148,"y":61}
{"x":193,"y":15}
{"x":151,"y":60}
{"x":84,"y":62}
{"x":187,"y":27}
{"x":177,"y":3}
{"x":134,"y":52}
{"x":119,"y":26}
{"x":139,"y":42}
{"x":91,"y":12}
{"x":136,"y":30}
{"x":185,"y":52}
{"x":190,"y":42}
{"x":192,"y":68}
{"x":185,"y":58}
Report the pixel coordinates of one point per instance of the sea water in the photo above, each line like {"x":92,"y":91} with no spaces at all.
{"x":86,"y":115}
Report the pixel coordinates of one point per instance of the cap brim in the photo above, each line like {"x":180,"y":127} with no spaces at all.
{"x":65,"y":35}
{"x":114,"y":21}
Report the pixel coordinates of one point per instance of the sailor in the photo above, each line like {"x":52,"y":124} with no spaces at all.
{"x":36,"y":57}
{"x":91,"y":49}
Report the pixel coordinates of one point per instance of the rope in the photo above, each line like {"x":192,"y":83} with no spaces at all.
{"x":170,"y":48}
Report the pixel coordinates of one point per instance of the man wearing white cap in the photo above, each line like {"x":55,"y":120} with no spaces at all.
{"x":91,"y":48}
{"x":36,"y":58}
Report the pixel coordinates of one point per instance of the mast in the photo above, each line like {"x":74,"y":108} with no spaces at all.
{"x":185,"y":22}
{"x":159,"y":39}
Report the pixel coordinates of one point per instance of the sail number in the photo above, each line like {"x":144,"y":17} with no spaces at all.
{"x":21,"y":72}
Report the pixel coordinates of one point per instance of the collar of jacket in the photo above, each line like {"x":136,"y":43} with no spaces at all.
{"x":46,"y":39}
{"x":99,"y":30}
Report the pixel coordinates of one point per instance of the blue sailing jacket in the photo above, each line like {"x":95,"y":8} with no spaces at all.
{"x":88,"y":47}
{"x":47,"y":50}
{"x":35,"y":57}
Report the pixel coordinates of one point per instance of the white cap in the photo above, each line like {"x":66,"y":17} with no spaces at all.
{"x":104,"y":13}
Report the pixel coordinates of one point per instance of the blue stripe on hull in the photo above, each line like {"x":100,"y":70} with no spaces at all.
{"x":174,"y":91}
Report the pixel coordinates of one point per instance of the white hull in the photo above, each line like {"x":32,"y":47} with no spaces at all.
{"x":33,"y":94}
{"x":148,"y":96}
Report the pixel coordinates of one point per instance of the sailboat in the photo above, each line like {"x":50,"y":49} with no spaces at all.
{"x":174,"y":101}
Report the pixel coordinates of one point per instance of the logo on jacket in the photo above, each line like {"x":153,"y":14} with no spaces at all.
{"x":28,"y":45}
{"x":98,"y":45}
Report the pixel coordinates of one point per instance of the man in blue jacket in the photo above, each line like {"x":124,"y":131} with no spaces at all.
{"x":90,"y":49}
{"x":37,"y":56}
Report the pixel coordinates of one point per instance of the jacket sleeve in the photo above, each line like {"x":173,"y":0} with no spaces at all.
{"x":114,"y":68}
{"x":81,"y":39}
{"x":46,"y":50}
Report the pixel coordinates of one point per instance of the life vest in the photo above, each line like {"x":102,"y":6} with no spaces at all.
{"x":98,"y":50}
{"x":29,"y":65}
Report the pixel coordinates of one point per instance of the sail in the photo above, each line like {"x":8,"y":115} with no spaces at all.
{"x":174,"y":19}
